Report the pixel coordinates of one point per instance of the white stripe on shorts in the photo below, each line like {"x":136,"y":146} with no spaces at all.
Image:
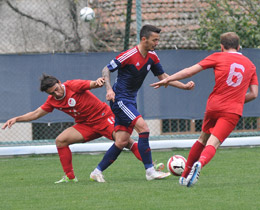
{"x":126,"y":110}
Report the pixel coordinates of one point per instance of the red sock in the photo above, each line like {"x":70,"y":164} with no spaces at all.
{"x":194,"y":155}
{"x":135,"y":151}
{"x":66,"y":161}
{"x":207,"y":154}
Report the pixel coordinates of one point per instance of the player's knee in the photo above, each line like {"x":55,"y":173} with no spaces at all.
{"x":145,"y":130}
{"x":121,"y":143}
{"x":142,"y":129}
{"x":61,"y":142}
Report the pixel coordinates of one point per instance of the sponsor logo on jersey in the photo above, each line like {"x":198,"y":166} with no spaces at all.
{"x":137,"y":64}
{"x":71,"y":102}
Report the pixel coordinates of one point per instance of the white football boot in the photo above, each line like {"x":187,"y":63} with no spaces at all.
{"x":183,"y":181}
{"x":98,"y":177}
{"x":152,"y":174}
{"x":193,"y":176}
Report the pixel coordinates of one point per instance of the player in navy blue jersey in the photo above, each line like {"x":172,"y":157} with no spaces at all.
{"x":133,"y":65}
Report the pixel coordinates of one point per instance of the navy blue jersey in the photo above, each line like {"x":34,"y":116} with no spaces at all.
{"x":132,"y":69}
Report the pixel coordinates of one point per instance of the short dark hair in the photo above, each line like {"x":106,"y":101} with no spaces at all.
{"x":146,"y":31}
{"x":229,"y":40}
{"x":47,"y":81}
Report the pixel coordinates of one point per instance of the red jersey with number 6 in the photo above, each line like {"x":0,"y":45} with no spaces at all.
{"x":234,"y":73}
{"x":78,"y":102}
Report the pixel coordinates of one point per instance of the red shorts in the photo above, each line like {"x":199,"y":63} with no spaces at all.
{"x":128,"y":129}
{"x":103,"y":127}
{"x":219,"y":124}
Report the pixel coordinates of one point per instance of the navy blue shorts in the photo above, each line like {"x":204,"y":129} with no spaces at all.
{"x":126,"y":115}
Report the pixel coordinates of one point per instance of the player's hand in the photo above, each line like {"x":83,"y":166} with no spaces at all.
{"x":189,"y":85}
{"x":163,"y":82}
{"x":100,"y":82}
{"x":9,"y":123}
{"x":110,"y":95}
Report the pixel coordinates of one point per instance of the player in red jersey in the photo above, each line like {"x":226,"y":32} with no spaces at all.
{"x":93,"y":117}
{"x":234,"y":75}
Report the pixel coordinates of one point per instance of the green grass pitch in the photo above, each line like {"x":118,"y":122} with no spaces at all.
{"x":230,"y":181}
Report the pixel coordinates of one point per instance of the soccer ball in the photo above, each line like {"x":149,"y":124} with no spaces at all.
{"x":176,"y":165}
{"x":87,"y":14}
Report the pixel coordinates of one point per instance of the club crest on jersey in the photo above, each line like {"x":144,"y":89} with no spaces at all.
{"x":71,"y":102}
{"x":149,"y":67}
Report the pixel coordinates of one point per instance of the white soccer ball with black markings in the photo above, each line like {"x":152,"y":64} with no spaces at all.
{"x":176,"y":165}
{"x":87,"y":14}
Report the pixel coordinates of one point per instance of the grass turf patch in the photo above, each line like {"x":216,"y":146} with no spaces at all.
{"x":230,"y":181}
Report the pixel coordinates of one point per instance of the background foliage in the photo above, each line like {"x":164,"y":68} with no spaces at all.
{"x":240,"y":16}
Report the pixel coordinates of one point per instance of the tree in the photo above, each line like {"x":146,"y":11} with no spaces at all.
{"x":47,"y":26}
{"x":240,"y":16}
{"x":38,"y":32}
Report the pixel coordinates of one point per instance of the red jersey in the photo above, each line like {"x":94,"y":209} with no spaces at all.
{"x":234,"y":73}
{"x":78,"y":102}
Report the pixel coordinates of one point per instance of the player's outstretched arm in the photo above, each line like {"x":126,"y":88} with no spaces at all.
{"x":183,"y":74}
{"x":98,"y":83}
{"x":165,"y":82}
{"x":252,"y":94}
{"x":26,"y":117}
{"x":110,"y":96}
{"x":188,"y":86}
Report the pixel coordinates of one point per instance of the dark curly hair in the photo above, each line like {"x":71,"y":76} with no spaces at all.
{"x":47,"y":81}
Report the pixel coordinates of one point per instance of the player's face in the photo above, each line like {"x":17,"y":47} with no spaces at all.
{"x":56,"y":90}
{"x":152,"y":41}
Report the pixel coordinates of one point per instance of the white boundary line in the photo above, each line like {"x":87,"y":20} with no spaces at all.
{"x":102,"y":147}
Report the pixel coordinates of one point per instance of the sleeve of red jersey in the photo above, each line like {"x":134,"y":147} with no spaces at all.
{"x":155,"y":57}
{"x":157,"y":68}
{"x":78,"y":85}
{"x":254,"y":79}
{"x":47,"y":106}
{"x":209,"y":62}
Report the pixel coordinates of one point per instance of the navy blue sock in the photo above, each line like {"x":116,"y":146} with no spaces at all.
{"x":111,"y":155}
{"x":145,"y":150}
